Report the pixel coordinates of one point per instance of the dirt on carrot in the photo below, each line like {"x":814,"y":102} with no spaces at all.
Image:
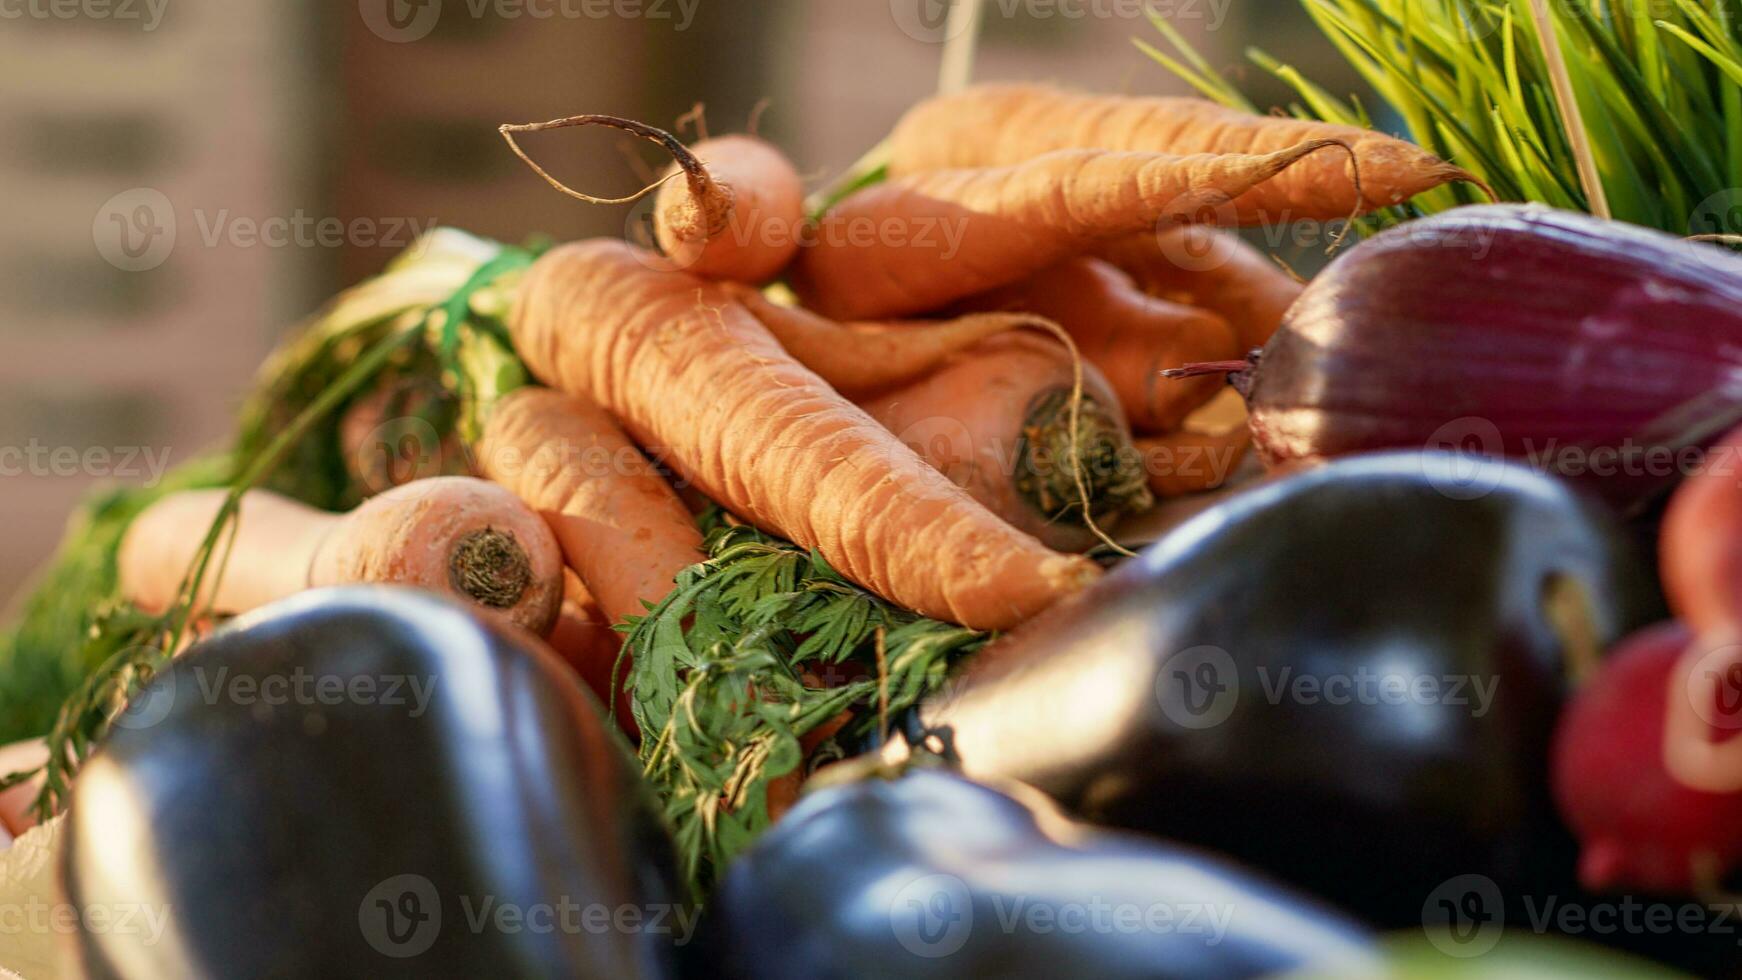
{"x":993,"y":419}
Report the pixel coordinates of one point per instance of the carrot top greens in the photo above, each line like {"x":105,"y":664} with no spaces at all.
{"x":772,"y":618}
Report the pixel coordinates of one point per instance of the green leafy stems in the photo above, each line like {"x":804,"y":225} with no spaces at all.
{"x":755,"y":649}
{"x":1658,"y":83}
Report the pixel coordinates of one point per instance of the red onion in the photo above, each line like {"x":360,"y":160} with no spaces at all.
{"x":1588,"y":348}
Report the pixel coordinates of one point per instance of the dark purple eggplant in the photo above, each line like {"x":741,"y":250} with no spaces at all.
{"x":1234,"y":687}
{"x":932,"y":875}
{"x":370,"y":782}
{"x":1592,"y":349}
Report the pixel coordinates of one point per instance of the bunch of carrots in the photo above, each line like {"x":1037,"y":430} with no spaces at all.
{"x":948,"y":419}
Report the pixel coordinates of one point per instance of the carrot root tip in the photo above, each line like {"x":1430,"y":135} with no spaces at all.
{"x":491,"y":567}
{"x":1049,"y":461}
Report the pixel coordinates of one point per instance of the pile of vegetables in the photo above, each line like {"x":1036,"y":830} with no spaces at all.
{"x":811,"y":511}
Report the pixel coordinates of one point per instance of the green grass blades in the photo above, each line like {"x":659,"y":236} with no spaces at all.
{"x":1658,"y":84}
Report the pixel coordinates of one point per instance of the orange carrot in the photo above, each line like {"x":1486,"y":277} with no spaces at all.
{"x":687,"y":369}
{"x":1203,"y":452}
{"x":455,"y":535}
{"x":914,"y":244}
{"x":584,"y":639}
{"x":736,"y":215}
{"x":1211,"y":269}
{"x":863,"y":358}
{"x":1129,"y":335}
{"x":999,"y":125}
{"x":1189,"y":461}
{"x":621,"y":527}
{"x":995,"y":420}
{"x":752,"y":234}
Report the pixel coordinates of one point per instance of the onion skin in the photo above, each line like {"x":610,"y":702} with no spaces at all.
{"x":1541,"y":335}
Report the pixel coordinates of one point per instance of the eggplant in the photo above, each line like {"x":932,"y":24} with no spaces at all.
{"x":931,"y":875}
{"x":1237,"y":686}
{"x":1592,"y":349}
{"x":370,"y":781}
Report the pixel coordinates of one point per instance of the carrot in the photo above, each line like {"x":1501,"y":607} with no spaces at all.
{"x":584,"y":639}
{"x":864,"y":358}
{"x":737,"y":214}
{"x":455,"y":535}
{"x":1191,"y":461}
{"x":1129,"y":335}
{"x":689,"y":370}
{"x":912,"y":245}
{"x":994,"y":420}
{"x":621,"y":527}
{"x":750,"y":236}
{"x":1211,"y":269}
{"x":999,"y":125}
{"x":18,"y":804}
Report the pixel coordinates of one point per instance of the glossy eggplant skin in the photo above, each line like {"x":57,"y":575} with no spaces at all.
{"x":1599,"y":350}
{"x":933,"y":875}
{"x":392,"y":828}
{"x":1210,"y":691}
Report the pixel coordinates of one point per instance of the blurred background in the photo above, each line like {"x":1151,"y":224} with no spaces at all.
{"x":183,"y":180}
